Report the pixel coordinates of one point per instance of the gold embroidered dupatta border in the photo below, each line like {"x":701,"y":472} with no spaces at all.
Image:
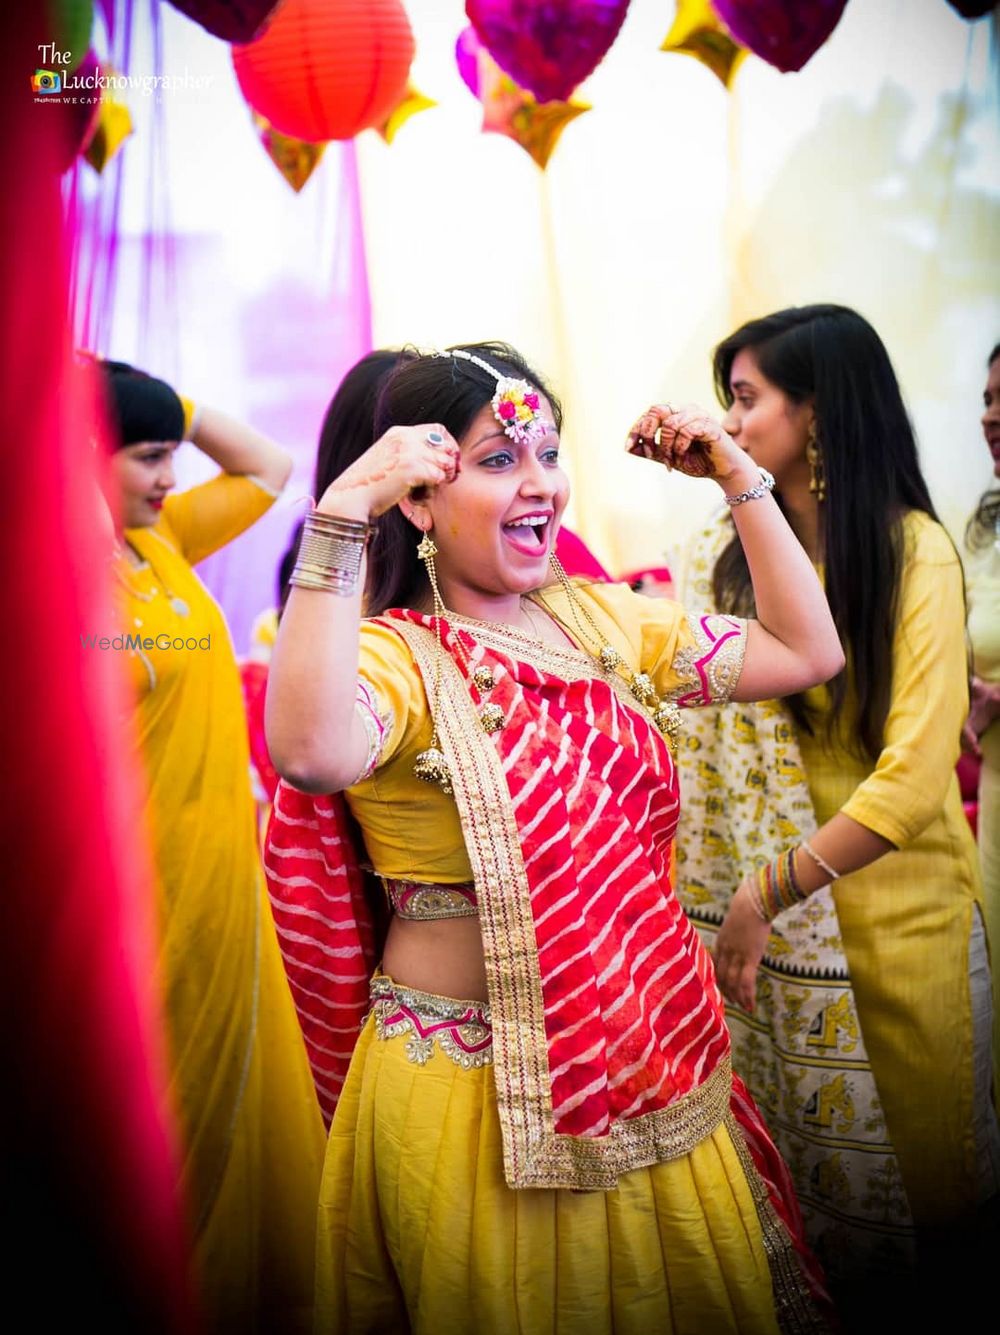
{"x":534,"y":1154}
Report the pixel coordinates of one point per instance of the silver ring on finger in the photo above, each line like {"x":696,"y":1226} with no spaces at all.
{"x":434,"y":438}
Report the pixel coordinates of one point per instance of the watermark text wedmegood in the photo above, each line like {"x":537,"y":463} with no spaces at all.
{"x":134,"y":642}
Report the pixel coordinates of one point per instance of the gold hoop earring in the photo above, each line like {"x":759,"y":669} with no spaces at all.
{"x":814,"y":457}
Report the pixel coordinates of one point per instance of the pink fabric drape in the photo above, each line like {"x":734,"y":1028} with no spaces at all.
{"x":94,"y":1232}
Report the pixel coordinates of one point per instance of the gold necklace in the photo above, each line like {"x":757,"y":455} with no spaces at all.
{"x":527,"y":635}
{"x":664,"y":713}
{"x":175,"y":600}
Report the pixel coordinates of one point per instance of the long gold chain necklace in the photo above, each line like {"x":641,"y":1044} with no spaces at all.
{"x":431,"y":766}
{"x":664,"y":713}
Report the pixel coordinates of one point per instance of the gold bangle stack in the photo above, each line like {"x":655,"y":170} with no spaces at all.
{"x":330,"y":553}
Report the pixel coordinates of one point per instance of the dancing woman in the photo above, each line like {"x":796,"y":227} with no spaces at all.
{"x":539,"y":1129}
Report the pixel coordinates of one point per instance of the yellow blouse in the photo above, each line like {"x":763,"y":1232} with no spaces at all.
{"x":411,"y":828}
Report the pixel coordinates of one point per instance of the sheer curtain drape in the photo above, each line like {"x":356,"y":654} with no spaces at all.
{"x":196,"y":261}
{"x":674,"y":210}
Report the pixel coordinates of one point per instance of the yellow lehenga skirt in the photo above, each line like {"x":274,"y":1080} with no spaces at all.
{"x":419,"y":1232}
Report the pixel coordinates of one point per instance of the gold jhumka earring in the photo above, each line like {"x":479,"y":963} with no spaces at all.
{"x":664,"y":713}
{"x":431,"y":765}
{"x":814,"y":457}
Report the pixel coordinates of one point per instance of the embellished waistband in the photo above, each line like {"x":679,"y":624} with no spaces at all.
{"x":426,"y":901}
{"x":461,"y":1029}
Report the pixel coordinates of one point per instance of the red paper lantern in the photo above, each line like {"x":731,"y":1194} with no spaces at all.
{"x":326,"y":69}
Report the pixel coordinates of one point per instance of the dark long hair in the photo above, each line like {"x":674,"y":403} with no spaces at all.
{"x":833,"y":357}
{"x":349,"y":425}
{"x":347,"y":431}
{"x":450,"y":391}
{"x":982,"y":528}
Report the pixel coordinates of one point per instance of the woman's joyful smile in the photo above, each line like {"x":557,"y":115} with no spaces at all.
{"x":529,"y":533}
{"x":495,"y":525}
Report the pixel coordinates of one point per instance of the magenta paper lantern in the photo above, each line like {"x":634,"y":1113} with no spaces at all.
{"x":972,"y":9}
{"x":232,"y":20}
{"x":467,"y":49}
{"x":785,"y":33}
{"x":547,"y":46}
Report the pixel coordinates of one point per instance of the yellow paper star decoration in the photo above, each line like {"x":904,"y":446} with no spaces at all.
{"x":408,"y":105}
{"x":294,"y":158}
{"x":508,"y":109}
{"x":698,"y":31}
{"x":114,"y":125}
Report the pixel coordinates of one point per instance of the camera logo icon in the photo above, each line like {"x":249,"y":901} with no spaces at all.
{"x":46,"y":81}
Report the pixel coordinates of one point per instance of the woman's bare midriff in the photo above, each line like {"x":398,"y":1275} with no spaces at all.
{"x":445,"y":957}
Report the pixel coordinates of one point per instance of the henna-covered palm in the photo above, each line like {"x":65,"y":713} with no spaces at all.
{"x":687,"y":439}
{"x":402,"y":462}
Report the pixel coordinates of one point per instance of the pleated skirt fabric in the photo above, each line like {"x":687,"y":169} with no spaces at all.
{"x":418,"y":1231}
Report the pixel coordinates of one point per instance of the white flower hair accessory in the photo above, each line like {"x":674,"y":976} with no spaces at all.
{"x":516,"y":404}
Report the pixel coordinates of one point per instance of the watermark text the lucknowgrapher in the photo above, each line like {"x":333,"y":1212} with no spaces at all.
{"x":53,"y":84}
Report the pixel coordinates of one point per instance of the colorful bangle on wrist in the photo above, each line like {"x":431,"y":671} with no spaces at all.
{"x":777,"y":886}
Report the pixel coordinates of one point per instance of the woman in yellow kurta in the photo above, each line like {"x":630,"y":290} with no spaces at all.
{"x":982,"y":732}
{"x":865,"y":1034}
{"x":537,"y":1128}
{"x":249,"y":1125}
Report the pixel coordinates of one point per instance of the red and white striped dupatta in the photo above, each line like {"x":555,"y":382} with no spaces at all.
{"x":610,"y":1044}
{"x":326,"y":927}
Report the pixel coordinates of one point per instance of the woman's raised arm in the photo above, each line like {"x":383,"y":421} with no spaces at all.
{"x":316,"y":737}
{"x":793,"y":643}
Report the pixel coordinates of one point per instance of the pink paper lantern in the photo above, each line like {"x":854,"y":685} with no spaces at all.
{"x":547,"y":46}
{"x":327,"y":69}
{"x":785,"y":33}
{"x":467,"y":49}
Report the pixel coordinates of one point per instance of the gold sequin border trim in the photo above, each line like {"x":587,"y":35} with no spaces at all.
{"x":425,"y":901}
{"x":795,"y":1309}
{"x":459,"y":1029}
{"x":710,"y":667}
